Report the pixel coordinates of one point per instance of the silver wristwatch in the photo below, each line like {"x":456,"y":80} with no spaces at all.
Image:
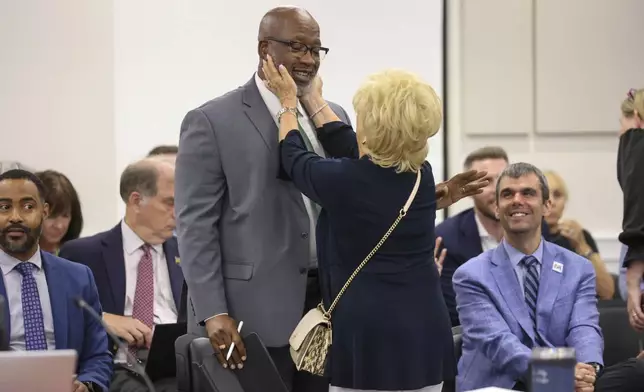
{"x":284,"y":110}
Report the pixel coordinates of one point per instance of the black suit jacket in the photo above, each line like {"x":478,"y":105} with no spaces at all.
{"x":462,"y":240}
{"x":103,"y":254}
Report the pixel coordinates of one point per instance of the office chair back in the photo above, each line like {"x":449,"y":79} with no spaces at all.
{"x":621,"y":342}
{"x":457,"y":336}
{"x":184,"y":365}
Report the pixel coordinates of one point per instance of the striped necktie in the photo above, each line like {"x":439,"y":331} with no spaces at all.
{"x":531,"y":290}
{"x":305,"y":137}
{"x":309,"y":146}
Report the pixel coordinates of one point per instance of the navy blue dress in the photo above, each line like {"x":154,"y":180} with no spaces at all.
{"x":391,"y":328}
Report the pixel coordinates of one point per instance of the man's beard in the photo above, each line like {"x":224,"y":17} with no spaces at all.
{"x":486,"y":212}
{"x":31,"y":238}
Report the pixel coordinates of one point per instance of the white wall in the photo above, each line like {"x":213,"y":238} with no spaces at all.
{"x":545,"y":79}
{"x":88,"y":87}
{"x":56,"y":96}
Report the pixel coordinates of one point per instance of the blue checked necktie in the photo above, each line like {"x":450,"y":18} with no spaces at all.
{"x":31,"y":310}
{"x":531,"y":290}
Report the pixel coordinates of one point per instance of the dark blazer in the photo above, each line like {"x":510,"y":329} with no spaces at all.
{"x":103,"y":254}
{"x":73,"y":328}
{"x":391,"y":327}
{"x":630,"y":163}
{"x":462,"y":240}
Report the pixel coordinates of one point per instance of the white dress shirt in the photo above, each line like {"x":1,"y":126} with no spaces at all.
{"x":13,"y":283}
{"x":274,"y":106}
{"x":165,"y":310}
{"x":487,"y":240}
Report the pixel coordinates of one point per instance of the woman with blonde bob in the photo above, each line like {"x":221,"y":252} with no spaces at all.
{"x":569,"y":234}
{"x":391,"y":329}
{"x":630,"y":166}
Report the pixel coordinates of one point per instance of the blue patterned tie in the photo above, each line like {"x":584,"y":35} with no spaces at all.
{"x":31,"y":310}
{"x":531,"y":290}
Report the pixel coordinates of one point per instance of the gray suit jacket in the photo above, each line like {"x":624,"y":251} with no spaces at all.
{"x":243,"y":233}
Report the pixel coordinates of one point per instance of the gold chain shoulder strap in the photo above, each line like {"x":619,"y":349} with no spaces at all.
{"x":401,"y":215}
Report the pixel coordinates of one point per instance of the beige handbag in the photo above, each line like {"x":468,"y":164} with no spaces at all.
{"x":311,"y":339}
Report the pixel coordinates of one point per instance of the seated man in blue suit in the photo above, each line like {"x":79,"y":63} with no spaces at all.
{"x":136,"y":263}
{"x":529,"y":293}
{"x":56,"y":323}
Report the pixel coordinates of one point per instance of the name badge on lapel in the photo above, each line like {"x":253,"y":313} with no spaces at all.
{"x":557,"y":267}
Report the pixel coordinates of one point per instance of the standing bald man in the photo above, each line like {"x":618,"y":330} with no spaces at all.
{"x":247,"y":238}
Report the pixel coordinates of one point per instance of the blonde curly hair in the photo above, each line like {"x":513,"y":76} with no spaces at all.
{"x":397,"y":112}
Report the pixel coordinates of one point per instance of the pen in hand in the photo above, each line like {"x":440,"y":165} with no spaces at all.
{"x":232,"y":345}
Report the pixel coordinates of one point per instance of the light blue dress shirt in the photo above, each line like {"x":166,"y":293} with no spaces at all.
{"x":13,"y":283}
{"x":516,"y":256}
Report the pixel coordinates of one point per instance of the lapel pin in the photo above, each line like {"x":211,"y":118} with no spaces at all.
{"x":557,"y":267}
{"x":177,"y":260}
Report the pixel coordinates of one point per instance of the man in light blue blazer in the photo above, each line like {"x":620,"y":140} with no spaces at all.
{"x":525,"y":293}
{"x":41,"y":289}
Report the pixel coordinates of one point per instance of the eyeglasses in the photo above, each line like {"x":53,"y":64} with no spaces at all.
{"x":631,"y":94}
{"x":318,"y":52}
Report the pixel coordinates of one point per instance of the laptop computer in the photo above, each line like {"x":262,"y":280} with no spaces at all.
{"x":50,"y":371}
{"x":160,"y":360}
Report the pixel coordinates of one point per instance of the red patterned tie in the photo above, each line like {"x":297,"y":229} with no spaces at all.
{"x":143,"y":306}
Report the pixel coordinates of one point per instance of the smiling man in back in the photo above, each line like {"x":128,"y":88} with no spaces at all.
{"x":246,"y":238}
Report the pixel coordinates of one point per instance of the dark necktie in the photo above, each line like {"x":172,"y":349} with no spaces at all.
{"x":309,"y":146}
{"x":143,"y":304}
{"x":33,"y":320}
{"x":531,"y":290}
{"x":305,"y":137}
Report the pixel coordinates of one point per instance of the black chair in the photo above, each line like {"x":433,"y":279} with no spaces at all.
{"x":199,"y":371}
{"x":611,"y":303}
{"x":184,"y":365}
{"x":616,"y":301}
{"x":621,"y":342}
{"x":207,"y":374}
{"x":457,"y":336}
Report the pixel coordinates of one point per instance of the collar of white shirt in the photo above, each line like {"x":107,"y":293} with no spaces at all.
{"x":8,"y":263}
{"x":273,"y":103}
{"x":132,"y":242}
{"x":483,"y":233}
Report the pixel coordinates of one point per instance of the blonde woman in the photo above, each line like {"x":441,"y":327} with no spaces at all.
{"x":391,"y":329}
{"x":630,"y":166}
{"x":571,"y":235}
